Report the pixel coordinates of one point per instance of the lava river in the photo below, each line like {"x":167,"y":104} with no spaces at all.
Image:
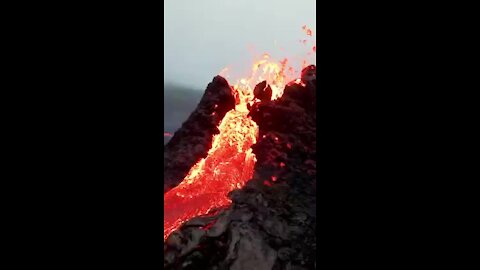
{"x":228,"y":165}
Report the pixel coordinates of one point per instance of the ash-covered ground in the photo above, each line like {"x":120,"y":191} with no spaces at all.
{"x":271,"y":222}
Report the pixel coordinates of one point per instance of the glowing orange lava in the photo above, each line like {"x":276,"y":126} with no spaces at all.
{"x":228,"y":166}
{"x":230,"y":161}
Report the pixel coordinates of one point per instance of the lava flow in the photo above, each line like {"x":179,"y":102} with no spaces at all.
{"x":230,"y":161}
{"x":228,"y":166}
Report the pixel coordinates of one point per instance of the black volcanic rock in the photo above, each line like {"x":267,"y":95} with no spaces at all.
{"x":193,"y":140}
{"x":263,"y":91}
{"x":271,"y":221}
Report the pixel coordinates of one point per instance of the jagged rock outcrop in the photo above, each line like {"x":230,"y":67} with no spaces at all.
{"x":193,"y":140}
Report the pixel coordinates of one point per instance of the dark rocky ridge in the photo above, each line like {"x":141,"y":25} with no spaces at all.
{"x":192,"y":141}
{"x":271,"y":222}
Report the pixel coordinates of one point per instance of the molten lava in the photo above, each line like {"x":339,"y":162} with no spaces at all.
{"x":230,"y":161}
{"x":228,"y":166}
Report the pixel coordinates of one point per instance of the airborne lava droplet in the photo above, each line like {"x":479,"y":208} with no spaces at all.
{"x":307,"y":30}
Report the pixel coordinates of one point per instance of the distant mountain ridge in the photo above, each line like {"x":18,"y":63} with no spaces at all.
{"x":179,"y":102}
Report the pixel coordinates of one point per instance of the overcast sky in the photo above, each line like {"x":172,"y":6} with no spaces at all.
{"x":203,"y":36}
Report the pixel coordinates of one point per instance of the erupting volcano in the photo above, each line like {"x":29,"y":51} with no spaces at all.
{"x":230,"y":161}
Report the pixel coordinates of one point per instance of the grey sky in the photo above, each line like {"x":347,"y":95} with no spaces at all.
{"x":203,"y":36}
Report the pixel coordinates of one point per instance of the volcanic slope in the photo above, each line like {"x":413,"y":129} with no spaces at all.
{"x":270,"y":223}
